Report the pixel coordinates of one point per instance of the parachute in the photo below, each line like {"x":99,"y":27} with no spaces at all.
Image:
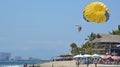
{"x":96,"y":12}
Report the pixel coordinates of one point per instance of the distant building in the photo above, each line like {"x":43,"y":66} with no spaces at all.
{"x":31,"y":58}
{"x":5,"y":56}
{"x":17,"y":58}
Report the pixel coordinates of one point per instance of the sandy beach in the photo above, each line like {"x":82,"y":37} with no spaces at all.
{"x":71,"y":64}
{"x":59,"y":64}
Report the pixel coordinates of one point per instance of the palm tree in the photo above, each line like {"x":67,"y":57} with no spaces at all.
{"x":91,"y":37}
{"x":73,"y":45}
{"x":75,"y":49}
{"x":116,"y":32}
{"x":87,"y":48}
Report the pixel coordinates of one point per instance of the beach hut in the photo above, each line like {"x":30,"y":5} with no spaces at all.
{"x":106,"y":38}
{"x":107,"y":42}
{"x":66,"y":55}
{"x":63,"y":57}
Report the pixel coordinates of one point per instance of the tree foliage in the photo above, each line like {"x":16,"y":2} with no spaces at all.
{"x":116,"y":32}
{"x":87,"y":48}
{"x":75,"y":49}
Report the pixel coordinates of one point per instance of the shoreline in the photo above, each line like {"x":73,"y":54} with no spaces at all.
{"x":72,"y":64}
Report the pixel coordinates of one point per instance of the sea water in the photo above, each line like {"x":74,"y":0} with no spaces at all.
{"x":11,"y":65}
{"x":19,"y":63}
{"x":15,"y":65}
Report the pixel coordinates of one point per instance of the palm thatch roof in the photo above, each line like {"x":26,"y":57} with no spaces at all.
{"x":107,"y":38}
{"x":66,"y":55}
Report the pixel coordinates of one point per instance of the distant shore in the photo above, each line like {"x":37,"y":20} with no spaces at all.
{"x":71,"y":64}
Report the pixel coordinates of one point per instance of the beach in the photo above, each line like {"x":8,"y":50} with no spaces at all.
{"x":71,"y":64}
{"x":59,"y":64}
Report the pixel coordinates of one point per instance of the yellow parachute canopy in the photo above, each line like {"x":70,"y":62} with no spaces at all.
{"x":96,"y":12}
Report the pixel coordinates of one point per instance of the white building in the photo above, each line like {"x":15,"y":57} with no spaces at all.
{"x":17,"y":58}
{"x":5,"y":56}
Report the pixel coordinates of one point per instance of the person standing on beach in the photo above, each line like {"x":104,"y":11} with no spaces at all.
{"x":77,"y":63}
{"x":87,"y":62}
{"x":95,"y":62}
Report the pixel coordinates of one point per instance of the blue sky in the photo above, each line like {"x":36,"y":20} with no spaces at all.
{"x":46,"y":28}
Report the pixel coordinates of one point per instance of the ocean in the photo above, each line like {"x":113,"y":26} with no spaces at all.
{"x":20,"y":63}
{"x":11,"y":65}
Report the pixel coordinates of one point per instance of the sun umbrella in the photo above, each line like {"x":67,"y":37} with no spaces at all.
{"x":87,"y":55}
{"x":103,"y":56}
{"x":108,"y":56}
{"x":84,"y":57}
{"x":96,"y":56}
{"x":78,"y":56}
{"x":96,"y":12}
{"x":115,"y":57}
